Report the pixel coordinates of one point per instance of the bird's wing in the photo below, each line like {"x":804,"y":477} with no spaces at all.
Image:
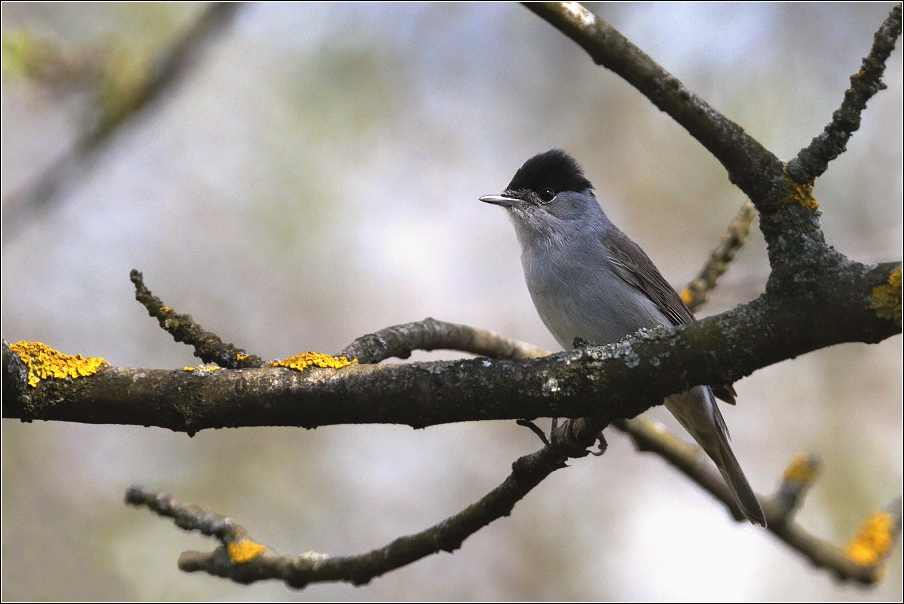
{"x":637,"y":270}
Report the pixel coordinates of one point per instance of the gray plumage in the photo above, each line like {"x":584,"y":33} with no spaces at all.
{"x":589,"y":280}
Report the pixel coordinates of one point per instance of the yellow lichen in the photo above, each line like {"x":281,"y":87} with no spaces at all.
{"x":873,"y":541}
{"x":240,"y":356}
{"x":307,"y":359}
{"x":803,"y":195}
{"x":686,"y":296}
{"x":44,"y":362}
{"x":208,"y":367}
{"x":802,"y":469}
{"x":166,"y":309}
{"x":887,"y":298}
{"x":244,"y":550}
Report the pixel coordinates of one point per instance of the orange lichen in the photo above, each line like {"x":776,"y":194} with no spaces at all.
{"x":802,"y":469}
{"x":244,"y":550}
{"x":887,"y":298}
{"x":686,"y":296}
{"x":307,"y":359}
{"x":873,"y":541}
{"x":803,"y":195}
{"x":44,"y":362}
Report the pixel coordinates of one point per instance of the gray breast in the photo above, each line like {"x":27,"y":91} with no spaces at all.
{"x":578,"y":294}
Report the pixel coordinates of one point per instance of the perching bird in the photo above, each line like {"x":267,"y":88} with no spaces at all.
{"x":589,"y":280}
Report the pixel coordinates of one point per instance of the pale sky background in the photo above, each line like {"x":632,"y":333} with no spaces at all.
{"x":316,"y":178}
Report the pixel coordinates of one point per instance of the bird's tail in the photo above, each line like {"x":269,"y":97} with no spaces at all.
{"x":698,"y":412}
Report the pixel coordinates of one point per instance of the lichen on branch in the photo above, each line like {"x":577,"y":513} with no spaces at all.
{"x":44,"y":362}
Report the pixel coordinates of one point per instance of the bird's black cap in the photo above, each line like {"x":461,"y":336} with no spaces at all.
{"x":555,"y":170}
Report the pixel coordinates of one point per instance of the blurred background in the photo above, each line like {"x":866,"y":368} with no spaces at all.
{"x":313,"y":176}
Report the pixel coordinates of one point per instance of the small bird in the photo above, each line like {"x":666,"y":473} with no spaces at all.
{"x":589,"y":280}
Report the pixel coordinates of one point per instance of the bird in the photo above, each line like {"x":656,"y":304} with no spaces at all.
{"x":589,"y":280}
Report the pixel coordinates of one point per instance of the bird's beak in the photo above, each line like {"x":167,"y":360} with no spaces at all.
{"x":500,"y":200}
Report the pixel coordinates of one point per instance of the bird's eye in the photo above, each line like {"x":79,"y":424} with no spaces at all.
{"x":547,"y":195}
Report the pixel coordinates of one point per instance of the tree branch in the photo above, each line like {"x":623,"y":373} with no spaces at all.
{"x":779,"y":508}
{"x":208,"y":346}
{"x":630,"y":376}
{"x":752,"y":167}
{"x":815,"y":298}
{"x":243,"y":560}
{"x":36,"y":196}
{"x":298,"y":571}
{"x":789,"y":217}
{"x":814,"y":159}
{"x":430,"y":334}
{"x":694,"y":295}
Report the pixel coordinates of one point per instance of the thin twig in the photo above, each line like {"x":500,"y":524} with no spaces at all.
{"x":208,"y":346}
{"x":37,"y":195}
{"x":779,"y":509}
{"x":533,"y":428}
{"x":694,"y":295}
{"x":299,"y":571}
{"x":430,"y":334}
{"x":813,"y":160}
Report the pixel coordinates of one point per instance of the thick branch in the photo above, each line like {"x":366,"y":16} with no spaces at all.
{"x":630,"y":376}
{"x":814,"y":159}
{"x":244,"y":560}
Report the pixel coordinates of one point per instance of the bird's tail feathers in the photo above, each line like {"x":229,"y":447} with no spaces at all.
{"x":734,"y":476}
{"x":699,"y":413}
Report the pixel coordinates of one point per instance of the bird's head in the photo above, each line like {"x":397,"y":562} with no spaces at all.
{"x":549,"y":196}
